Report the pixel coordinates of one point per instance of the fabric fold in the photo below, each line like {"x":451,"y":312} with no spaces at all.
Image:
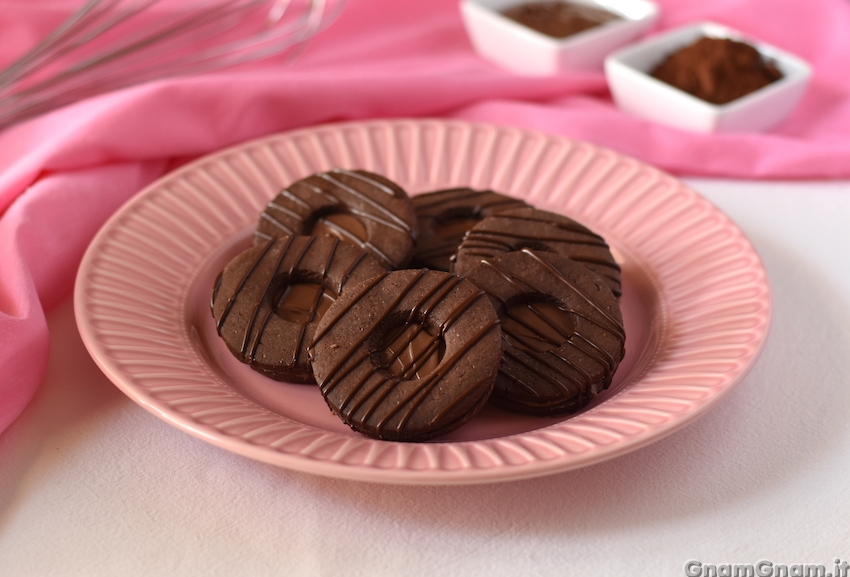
{"x":43,"y":236}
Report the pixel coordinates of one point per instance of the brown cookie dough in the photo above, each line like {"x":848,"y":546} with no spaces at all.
{"x":562,"y":331}
{"x":268,"y":300}
{"x":444,"y":217}
{"x":408,"y":356}
{"x":538,"y":230}
{"x":359,"y":207}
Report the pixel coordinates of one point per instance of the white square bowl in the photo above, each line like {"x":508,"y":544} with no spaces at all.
{"x":636,"y":92}
{"x":523,"y":50}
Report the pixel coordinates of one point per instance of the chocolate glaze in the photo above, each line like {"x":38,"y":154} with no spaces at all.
{"x":553,"y":363}
{"x":342,"y":226}
{"x":536,"y":326}
{"x":411,"y":349}
{"x":304,"y":302}
{"x":444,"y":216}
{"x":268,"y":300}
{"x":359,"y":207}
{"x":559,"y":19}
{"x":380,"y":393}
{"x":538,"y":230}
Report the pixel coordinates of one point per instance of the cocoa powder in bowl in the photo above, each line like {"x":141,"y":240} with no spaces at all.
{"x":557,"y":18}
{"x":717,"y":70}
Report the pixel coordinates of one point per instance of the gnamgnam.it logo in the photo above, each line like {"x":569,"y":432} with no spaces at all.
{"x":764,"y":568}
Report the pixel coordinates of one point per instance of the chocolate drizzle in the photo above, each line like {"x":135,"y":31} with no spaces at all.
{"x":350,"y":205}
{"x":411,"y":349}
{"x":446,"y":215}
{"x":262,"y":297}
{"x":405,"y":404}
{"x":239,"y":288}
{"x":256,"y":284}
{"x":361,"y":175}
{"x":541,"y":231}
{"x":390,"y":220}
{"x":536,"y":326}
{"x":552,"y":379}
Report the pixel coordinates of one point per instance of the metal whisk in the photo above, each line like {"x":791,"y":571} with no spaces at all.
{"x":111,"y":44}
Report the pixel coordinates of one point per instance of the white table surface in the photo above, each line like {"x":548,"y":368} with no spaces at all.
{"x":91,"y":484}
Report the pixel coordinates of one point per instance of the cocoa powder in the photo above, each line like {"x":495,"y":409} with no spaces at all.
{"x":717,"y":70}
{"x":559,"y":19}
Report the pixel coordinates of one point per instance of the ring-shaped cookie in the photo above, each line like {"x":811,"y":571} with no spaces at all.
{"x":444,"y":216}
{"x":408,"y":356}
{"x":539,"y":230}
{"x":562,"y":331}
{"x":269,"y":299}
{"x":359,"y":207}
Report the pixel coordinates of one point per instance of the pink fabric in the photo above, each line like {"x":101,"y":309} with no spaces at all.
{"x":63,"y":174}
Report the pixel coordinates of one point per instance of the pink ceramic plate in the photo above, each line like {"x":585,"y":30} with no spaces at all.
{"x":696,"y":301}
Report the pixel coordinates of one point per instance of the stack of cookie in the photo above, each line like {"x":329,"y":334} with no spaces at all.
{"x":501,"y":302}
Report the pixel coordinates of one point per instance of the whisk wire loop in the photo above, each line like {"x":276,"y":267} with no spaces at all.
{"x":110,"y":44}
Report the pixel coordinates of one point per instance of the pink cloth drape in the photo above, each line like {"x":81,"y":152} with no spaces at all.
{"x":63,"y":174}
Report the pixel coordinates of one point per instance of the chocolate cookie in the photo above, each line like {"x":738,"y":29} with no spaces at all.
{"x":562,"y":331}
{"x":538,"y":230}
{"x":359,"y":207}
{"x":268,"y":300}
{"x":444,"y":217}
{"x":408,"y":356}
